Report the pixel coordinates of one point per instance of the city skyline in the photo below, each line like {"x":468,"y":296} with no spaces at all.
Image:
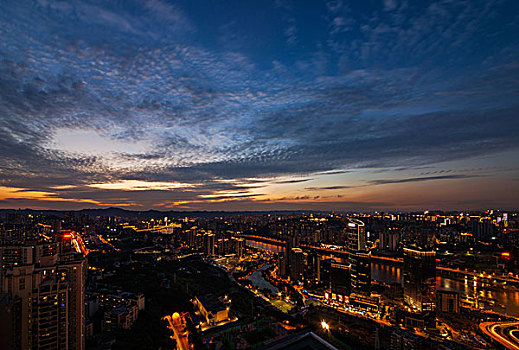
{"x":388,"y":105}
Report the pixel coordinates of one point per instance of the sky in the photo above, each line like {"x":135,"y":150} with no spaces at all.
{"x":259,"y":105}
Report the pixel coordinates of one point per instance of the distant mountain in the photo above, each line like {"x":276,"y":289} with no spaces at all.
{"x":149,"y":214}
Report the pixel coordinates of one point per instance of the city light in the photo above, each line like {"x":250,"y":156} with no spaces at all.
{"x":270,"y":174}
{"x":325,"y":325}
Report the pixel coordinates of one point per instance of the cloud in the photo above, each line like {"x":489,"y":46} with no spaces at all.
{"x":390,"y":5}
{"x":137,"y":92}
{"x":292,"y":181}
{"x":338,"y":187}
{"x":335,"y":172}
{"x":421,"y":179}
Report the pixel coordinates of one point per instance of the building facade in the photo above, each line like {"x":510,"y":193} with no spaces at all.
{"x":47,"y":284}
{"x":359,"y":257}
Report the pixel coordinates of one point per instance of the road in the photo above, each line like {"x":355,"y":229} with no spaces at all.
{"x":106,"y":242}
{"x":175,"y":324}
{"x":503,"y":332}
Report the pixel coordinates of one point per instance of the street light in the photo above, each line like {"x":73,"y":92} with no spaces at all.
{"x":325,"y":325}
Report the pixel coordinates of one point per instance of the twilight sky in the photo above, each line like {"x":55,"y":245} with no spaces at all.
{"x":259,"y":105}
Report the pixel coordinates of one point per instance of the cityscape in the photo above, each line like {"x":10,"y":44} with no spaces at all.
{"x":123,"y":279}
{"x":264,"y":175}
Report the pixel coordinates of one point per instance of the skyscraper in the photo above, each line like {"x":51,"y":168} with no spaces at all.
{"x":355,"y":236}
{"x":359,"y":257}
{"x":419,"y":288}
{"x":360,"y":271}
{"x":209,"y":242}
{"x":297,"y":264}
{"x":239,"y":246}
{"x":420,"y":279}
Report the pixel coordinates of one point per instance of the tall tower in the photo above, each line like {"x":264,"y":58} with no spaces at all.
{"x":209,"y":242}
{"x":420,"y":284}
{"x":359,"y":257}
{"x":297,"y":264}
{"x":420,"y":279}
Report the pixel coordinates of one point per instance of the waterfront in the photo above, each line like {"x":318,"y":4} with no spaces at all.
{"x":261,"y":283}
{"x":264,"y":246}
{"x":505,"y":301}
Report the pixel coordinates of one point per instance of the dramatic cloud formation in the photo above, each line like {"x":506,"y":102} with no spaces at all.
{"x":197,"y":105}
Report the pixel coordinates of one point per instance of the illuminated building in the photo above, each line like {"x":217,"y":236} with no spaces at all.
{"x":223,"y":246}
{"x":120,"y":310}
{"x":389,"y":241}
{"x":326,"y":273}
{"x":356,"y":236}
{"x":50,"y":289}
{"x":448,"y":301}
{"x":297,"y":264}
{"x":419,"y":279}
{"x":209,"y":242}
{"x":313,"y":268}
{"x":239,"y":246}
{"x":212,"y":309}
{"x":359,"y":257}
{"x":365,"y":302}
{"x":420,"y":286}
{"x":282,"y":265}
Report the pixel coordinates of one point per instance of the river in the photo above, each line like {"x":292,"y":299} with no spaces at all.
{"x":259,"y":282}
{"x":506,"y":301}
{"x":509,"y":299}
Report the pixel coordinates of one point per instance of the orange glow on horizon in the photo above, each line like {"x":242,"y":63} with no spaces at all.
{"x":17,"y":193}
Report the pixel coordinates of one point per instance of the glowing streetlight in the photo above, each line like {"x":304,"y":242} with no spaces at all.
{"x":325,"y":325}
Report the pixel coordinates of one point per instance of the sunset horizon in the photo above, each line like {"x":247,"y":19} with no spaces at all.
{"x":157,"y":105}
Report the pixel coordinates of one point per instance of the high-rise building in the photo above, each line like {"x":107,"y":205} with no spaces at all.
{"x":420,"y":279}
{"x":356,"y":236}
{"x":46,"y":285}
{"x":360,"y":270}
{"x":448,"y":301}
{"x":326,"y":273}
{"x":239,"y":246}
{"x":209,"y":242}
{"x":191,"y":238}
{"x":359,"y":257}
{"x":419,"y":288}
{"x":394,"y":241}
{"x":223,"y":246}
{"x":313,"y":267}
{"x":282,"y":265}
{"x":297,"y":264}
{"x":389,"y":241}
{"x":340,"y":283}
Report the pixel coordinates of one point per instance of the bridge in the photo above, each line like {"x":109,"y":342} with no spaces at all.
{"x":263,"y":239}
{"x":337,"y":252}
{"x":443,"y":271}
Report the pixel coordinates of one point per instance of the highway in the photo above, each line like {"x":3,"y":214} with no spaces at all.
{"x":175,"y":324}
{"x":503,"y":332}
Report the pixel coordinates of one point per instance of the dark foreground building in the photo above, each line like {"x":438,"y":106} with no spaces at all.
{"x":42,"y":292}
